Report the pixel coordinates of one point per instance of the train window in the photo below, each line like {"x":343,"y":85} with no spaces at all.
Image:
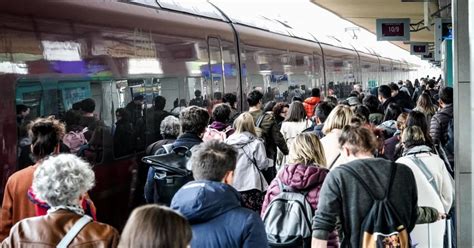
{"x":65,"y":101}
{"x":269,"y":70}
{"x":302,"y":73}
{"x":215,"y":74}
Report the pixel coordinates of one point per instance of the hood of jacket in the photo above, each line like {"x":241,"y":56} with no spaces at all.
{"x":312,"y":100}
{"x":201,"y":201}
{"x":240,"y":139}
{"x":448,"y":110}
{"x":219,"y":126}
{"x":300,"y":177}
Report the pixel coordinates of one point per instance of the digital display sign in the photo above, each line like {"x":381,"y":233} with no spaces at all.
{"x":393,"y":29}
{"x":447,"y":31}
{"x":428,"y":56}
{"x":419,"y":48}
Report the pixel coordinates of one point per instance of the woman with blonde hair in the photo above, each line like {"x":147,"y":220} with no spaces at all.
{"x":305,"y":172}
{"x":156,"y":226}
{"x":252,"y":158}
{"x":339,"y":117}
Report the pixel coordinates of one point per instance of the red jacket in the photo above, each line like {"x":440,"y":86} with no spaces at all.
{"x":309,"y":105}
{"x":301,"y":177}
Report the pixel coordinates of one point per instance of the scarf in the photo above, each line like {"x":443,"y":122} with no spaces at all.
{"x":416,"y":150}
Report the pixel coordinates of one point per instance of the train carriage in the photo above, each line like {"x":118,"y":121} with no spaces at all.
{"x":56,"y":53}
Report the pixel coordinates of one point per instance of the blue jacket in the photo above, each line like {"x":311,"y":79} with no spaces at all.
{"x":186,"y":139}
{"x":217,"y":218}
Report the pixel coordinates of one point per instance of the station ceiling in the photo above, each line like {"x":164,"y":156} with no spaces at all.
{"x":364,"y":13}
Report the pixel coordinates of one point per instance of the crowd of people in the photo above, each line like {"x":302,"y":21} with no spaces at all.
{"x":304,"y":173}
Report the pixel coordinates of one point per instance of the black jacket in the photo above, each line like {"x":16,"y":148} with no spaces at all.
{"x":439,"y":124}
{"x":271,"y":134}
{"x":403,"y":100}
{"x":385,"y":104}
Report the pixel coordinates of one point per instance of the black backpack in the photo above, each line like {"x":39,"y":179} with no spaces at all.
{"x":381,"y":226}
{"x":170,"y":173}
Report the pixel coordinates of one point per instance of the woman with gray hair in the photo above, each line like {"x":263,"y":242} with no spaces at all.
{"x":170,"y":129}
{"x":62,"y":182}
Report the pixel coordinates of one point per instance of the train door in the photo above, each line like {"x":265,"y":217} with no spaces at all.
{"x":214,"y":77}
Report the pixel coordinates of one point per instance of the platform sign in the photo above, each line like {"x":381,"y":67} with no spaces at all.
{"x":418,"y":48}
{"x":442,"y":31}
{"x":429,"y":56}
{"x":393,"y":29}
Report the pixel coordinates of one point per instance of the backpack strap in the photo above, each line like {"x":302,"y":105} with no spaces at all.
{"x":74,"y":231}
{"x":392,"y":177}
{"x":419,"y":163}
{"x":358,"y":178}
{"x":286,"y":188}
{"x":366,"y":186}
{"x":260,"y":120}
{"x":168,"y":148}
{"x":254,"y":162}
{"x":334,"y":161}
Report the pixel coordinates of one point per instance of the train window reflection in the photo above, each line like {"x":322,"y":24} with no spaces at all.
{"x":144,"y":66}
{"x":16,"y":68}
{"x":61,"y":50}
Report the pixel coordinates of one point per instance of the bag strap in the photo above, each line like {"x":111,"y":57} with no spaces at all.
{"x":168,"y":148}
{"x":422,"y":166}
{"x":334,"y":161}
{"x":286,"y":188}
{"x":254,"y":162}
{"x":260,"y":120}
{"x":74,"y":231}
{"x":366,"y":186}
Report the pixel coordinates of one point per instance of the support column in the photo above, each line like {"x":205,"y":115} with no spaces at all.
{"x":463,"y":124}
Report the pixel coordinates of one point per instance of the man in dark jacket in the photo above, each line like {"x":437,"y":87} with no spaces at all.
{"x":385,"y":97}
{"x":440,"y":121}
{"x":193,"y":122}
{"x":441,"y":131}
{"x":401,"y":98}
{"x":212,"y":206}
{"x":343,"y":197}
{"x":267,"y":129}
{"x":154,"y":117}
{"x":321,"y":113}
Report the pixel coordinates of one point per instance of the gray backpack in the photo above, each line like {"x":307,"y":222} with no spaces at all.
{"x":288,"y":219}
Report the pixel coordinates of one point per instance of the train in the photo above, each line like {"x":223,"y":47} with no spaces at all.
{"x":56,"y":53}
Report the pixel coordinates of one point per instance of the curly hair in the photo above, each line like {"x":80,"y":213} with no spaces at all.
{"x":169,"y":127}
{"x":62,"y":179}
